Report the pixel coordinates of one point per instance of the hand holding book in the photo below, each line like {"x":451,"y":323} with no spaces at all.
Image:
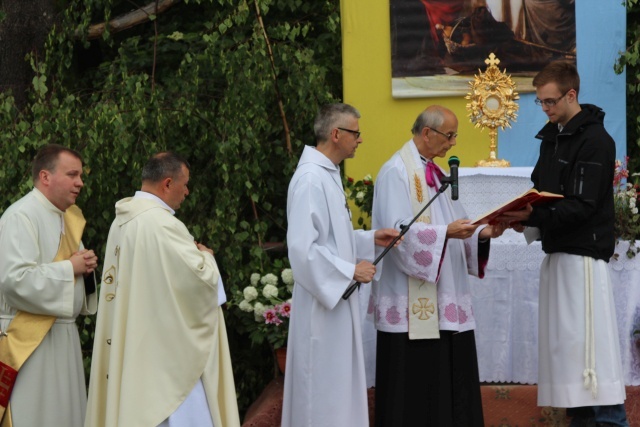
{"x":531,"y":197}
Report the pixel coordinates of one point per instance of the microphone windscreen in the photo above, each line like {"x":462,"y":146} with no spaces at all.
{"x":454,"y":161}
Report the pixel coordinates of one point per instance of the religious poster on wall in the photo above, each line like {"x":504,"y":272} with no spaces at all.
{"x":438,"y":45}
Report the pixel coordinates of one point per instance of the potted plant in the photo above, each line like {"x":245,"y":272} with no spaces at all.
{"x":264,"y":306}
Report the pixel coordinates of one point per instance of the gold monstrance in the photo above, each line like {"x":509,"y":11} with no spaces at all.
{"x":492,"y":105}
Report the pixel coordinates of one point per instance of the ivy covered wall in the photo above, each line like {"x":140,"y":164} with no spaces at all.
{"x":233,"y":85}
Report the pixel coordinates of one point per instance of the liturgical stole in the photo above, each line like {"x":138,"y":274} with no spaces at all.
{"x":423,"y":295}
{"x":26,"y":331}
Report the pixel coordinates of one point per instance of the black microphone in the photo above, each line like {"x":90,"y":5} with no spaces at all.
{"x":454,"y":162}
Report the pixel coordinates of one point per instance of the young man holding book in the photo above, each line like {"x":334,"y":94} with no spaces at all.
{"x":579,"y":363}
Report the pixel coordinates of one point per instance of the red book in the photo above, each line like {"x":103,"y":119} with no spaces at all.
{"x":531,"y":196}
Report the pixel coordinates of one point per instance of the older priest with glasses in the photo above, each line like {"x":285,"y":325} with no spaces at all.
{"x":426,"y":363}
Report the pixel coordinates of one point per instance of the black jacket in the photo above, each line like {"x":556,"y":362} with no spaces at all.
{"x":578,"y":163}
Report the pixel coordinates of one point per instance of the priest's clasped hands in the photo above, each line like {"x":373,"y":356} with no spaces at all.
{"x":84,"y":261}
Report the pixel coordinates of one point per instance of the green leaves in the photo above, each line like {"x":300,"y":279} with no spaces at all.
{"x":630,"y":59}
{"x":39,"y":85}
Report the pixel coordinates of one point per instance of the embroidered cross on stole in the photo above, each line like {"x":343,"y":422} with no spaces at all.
{"x":423,"y":295}
{"x":26,"y":331}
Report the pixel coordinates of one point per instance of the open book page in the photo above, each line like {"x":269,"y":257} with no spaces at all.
{"x":532,"y":197}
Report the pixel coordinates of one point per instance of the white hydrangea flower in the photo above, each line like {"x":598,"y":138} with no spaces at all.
{"x":255,"y":278}
{"x":367,"y":177}
{"x":634,"y":211}
{"x":258,"y":311}
{"x":360,"y":196}
{"x":269,"y":279}
{"x":245,"y":306}
{"x":250,"y":293}
{"x":270,"y":291}
{"x":287,"y":276}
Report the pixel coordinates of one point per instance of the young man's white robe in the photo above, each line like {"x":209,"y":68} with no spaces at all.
{"x":50,"y":389}
{"x":159,"y":329}
{"x":562,"y":320}
{"x":325,"y":379}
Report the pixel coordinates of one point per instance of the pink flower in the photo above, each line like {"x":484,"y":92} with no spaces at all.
{"x":621,"y":172}
{"x":271,"y":317}
{"x":284,"y":309}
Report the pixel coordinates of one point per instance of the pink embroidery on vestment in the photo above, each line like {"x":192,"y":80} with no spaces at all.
{"x":371,"y":304}
{"x":423,"y":258}
{"x":427,"y":237}
{"x":451,"y":313}
{"x":462,"y":315}
{"x":393,"y":316}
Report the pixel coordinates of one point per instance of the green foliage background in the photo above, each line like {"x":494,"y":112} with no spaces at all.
{"x":630,"y":59}
{"x":196,"y":79}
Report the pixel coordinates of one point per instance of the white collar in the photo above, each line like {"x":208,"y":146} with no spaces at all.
{"x":145,"y":195}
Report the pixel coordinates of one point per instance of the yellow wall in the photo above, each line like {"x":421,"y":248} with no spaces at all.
{"x":386,"y":122}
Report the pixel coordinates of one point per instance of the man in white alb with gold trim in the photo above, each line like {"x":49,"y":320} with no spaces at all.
{"x":426,"y":363}
{"x":42,"y":290}
{"x":160,"y":356}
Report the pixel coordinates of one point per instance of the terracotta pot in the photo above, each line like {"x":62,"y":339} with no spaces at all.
{"x":281,"y":357}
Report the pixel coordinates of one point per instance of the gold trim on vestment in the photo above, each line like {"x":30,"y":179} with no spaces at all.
{"x":422,"y":295}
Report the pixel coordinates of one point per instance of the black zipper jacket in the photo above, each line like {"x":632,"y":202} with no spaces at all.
{"x":579,"y":163}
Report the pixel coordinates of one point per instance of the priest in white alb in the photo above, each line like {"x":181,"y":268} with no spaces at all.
{"x":325,"y":382}
{"x":160,"y":355}
{"x":46,"y":281}
{"x":426,"y":363}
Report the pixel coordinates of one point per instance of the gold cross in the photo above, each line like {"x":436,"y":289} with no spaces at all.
{"x":492,"y":60}
{"x":424,"y":307}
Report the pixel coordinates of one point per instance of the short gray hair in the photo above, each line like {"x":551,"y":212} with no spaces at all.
{"x":331,"y":116}
{"x":432,"y":117}
{"x":166,"y":164}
